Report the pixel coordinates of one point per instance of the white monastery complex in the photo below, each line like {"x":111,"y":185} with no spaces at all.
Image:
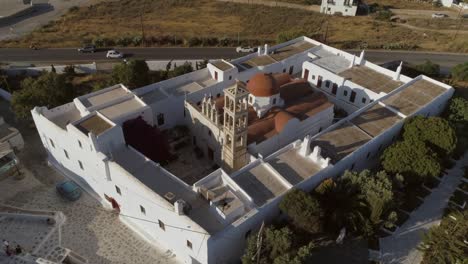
{"x":196,"y":163}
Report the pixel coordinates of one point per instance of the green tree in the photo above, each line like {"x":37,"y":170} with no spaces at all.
{"x":457,"y":110}
{"x":180,"y":70}
{"x":133,"y":74}
{"x":50,"y":90}
{"x":303,"y":209}
{"x":435,"y":132}
{"x":429,"y":68}
{"x":460,"y":72}
{"x":278,"y":247}
{"x":445,"y":244}
{"x":361,"y":202}
{"x":412,"y":159}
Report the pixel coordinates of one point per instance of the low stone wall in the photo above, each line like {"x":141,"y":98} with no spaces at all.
{"x":34,"y":71}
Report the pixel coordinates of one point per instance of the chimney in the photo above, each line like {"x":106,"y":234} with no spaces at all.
{"x":266,"y":49}
{"x":316,"y":154}
{"x":361,"y":57}
{"x":398,"y":72}
{"x":179,"y":207}
{"x":353,"y":61}
{"x":305,"y":147}
{"x":259,"y":50}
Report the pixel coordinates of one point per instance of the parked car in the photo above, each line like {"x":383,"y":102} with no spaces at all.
{"x":69,"y":190}
{"x":246,"y":49}
{"x":113,"y":54}
{"x":87,"y":48}
{"x":439,"y":15}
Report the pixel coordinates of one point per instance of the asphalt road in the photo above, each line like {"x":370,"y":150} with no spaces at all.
{"x":16,"y":55}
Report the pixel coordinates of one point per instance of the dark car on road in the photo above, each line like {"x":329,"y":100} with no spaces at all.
{"x":69,"y":190}
{"x":87,"y":48}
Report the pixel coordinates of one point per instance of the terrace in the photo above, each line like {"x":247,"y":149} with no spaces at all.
{"x":167,"y":186}
{"x":341,"y":141}
{"x":66,"y":118}
{"x":221,"y":65}
{"x":414,"y":97}
{"x":116,"y":110}
{"x":294,"y":167}
{"x":94,"y":124}
{"x":276,"y":55}
{"x":261,"y":184}
{"x":376,"y":120}
{"x":96,"y":99}
{"x":370,"y":79}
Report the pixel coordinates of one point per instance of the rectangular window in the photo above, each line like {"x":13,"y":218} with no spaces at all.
{"x":142,"y":210}
{"x":161,"y":225}
{"x":352,"y":167}
{"x":81,"y":165}
{"x":160,"y":119}
{"x":52,"y":142}
{"x":117,"y":189}
{"x":79,"y":144}
{"x":306,"y":74}
{"x":230,"y":77}
{"x":291,"y":70}
{"x":334,"y":88}
{"x":345,"y":93}
{"x":66,"y":154}
{"x":274,"y":100}
{"x":364,"y":100}
{"x":189,"y":244}
{"x":368,"y":155}
{"x":313,"y":77}
{"x":353,"y":97}
{"x":327,"y":84}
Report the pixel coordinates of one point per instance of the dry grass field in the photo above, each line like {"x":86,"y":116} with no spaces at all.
{"x":405,"y":4}
{"x":209,"y":19}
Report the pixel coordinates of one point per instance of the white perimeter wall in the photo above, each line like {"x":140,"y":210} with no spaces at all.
{"x":100,"y":176}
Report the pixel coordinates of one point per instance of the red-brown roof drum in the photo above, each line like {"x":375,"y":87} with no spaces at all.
{"x":263,"y":85}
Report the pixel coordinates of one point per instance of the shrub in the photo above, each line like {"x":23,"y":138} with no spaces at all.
{"x":460,"y":72}
{"x":383,"y":14}
{"x":303,"y":209}
{"x":429,"y":68}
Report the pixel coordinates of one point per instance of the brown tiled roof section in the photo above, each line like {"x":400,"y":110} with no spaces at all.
{"x":94,"y":124}
{"x":414,"y":96}
{"x":308,"y":106}
{"x":375,"y":120}
{"x":370,"y":79}
{"x":222,"y":65}
{"x":296,"y":89}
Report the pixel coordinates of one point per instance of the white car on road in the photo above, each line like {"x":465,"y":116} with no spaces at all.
{"x":113,"y":54}
{"x":439,"y":15}
{"x":245,"y":49}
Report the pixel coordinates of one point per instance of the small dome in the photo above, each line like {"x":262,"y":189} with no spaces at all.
{"x":263,"y":85}
{"x":281,"y":119}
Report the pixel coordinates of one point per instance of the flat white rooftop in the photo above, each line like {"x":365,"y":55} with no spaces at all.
{"x":157,"y":179}
{"x":294,"y":167}
{"x":119,"y":109}
{"x":333,"y":63}
{"x":261,"y":184}
{"x":96,"y":99}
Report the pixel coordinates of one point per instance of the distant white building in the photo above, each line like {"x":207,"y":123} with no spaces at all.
{"x":343,"y":7}
{"x":197,"y":163}
{"x":454,"y":3}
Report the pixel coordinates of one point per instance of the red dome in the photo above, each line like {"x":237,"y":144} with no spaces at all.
{"x":263,"y":85}
{"x":281,"y":119}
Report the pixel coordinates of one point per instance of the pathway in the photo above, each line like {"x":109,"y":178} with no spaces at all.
{"x":401,"y":247}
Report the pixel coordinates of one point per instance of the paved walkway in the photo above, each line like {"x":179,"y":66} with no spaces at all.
{"x":401,"y":247}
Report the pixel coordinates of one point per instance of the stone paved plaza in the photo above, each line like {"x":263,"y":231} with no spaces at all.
{"x":89,"y":230}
